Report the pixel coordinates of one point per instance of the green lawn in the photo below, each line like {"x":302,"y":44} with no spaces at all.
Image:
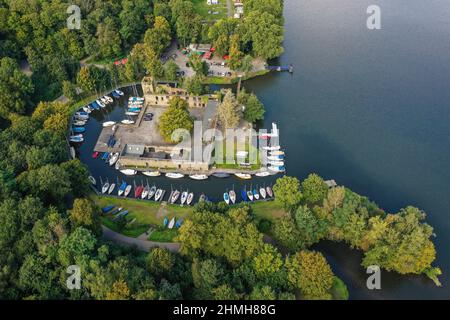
{"x":203,"y":9}
{"x":142,"y":214}
{"x":268,"y":210}
{"x":163,"y":235}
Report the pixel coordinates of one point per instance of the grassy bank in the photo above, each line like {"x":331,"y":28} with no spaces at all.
{"x":233,"y":80}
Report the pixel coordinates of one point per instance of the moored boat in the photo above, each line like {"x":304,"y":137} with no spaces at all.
{"x":263,"y":174}
{"x":277,"y":163}
{"x":122,"y":188}
{"x":174,"y":175}
{"x":199,"y":177}
{"x":127,"y":121}
{"x":151,"y":192}
{"x":105,"y":187}
{"x":128,"y":190}
{"x":95,"y":155}
{"x":129,"y":172}
{"x":190,"y":198}
{"x":129,"y":113}
{"x":262,"y":192}
{"x":111,"y":188}
{"x":272,"y":148}
{"x":277,"y":169}
{"x":114,"y":159}
{"x":269,"y":192}
{"x":277,"y":153}
{"x":120,"y":93}
{"x":151,"y":173}
{"x":175,"y":196}
{"x":275,"y":158}
{"x":138,"y":191}
{"x":255,"y":194}
{"x":92,"y":180}
{"x":108,"y":124}
{"x":136,"y":110}
{"x":244,"y":195}
{"x":158,"y":194}
{"x":226,"y":198}
{"x":244,"y":176}
{"x":76,"y":138}
{"x":221,"y":175}
{"x":184,"y":197}
{"x":79,"y":123}
{"x":232,"y":195}
{"x":78,"y":129}
{"x":145,"y":192}
{"x":250,"y":195}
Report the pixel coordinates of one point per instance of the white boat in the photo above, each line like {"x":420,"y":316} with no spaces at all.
{"x":190,"y":198}
{"x":277,"y":163}
{"x":105,"y":188}
{"x":101,"y":104}
{"x":277,"y":153}
{"x":158,"y":194}
{"x":244,"y":176}
{"x":104,"y":100}
{"x":120,"y":93}
{"x":256,"y":194}
{"x":92,"y":180}
{"x":274,"y":148}
{"x":79,"y":123}
{"x":174,"y":175}
{"x":184,"y":197}
{"x":108,"y":124}
{"x":199,"y":177}
{"x":76,"y":138}
{"x":145,"y":193}
{"x":109,"y":99}
{"x":232,"y":196}
{"x":135,"y":99}
{"x":127,"y":121}
{"x":175,"y":196}
{"x":275,"y":158}
{"x":151,"y":192}
{"x":129,"y":113}
{"x":128,"y":190}
{"x":129,"y":172}
{"x":87,"y":109}
{"x":135,"y":103}
{"x":277,"y":169}
{"x":111,"y":188}
{"x":82,"y":115}
{"x":263,"y":193}
{"x":226,"y":198}
{"x":263,"y":174}
{"x":114,"y":159}
{"x":151,"y":173}
{"x":171,"y":223}
{"x":269,"y":192}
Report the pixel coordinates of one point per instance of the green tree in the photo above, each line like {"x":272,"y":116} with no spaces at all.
{"x":176,"y":117}
{"x":310,"y":272}
{"x":158,"y":38}
{"x":160,"y":261}
{"x":229,"y":111}
{"x":236,"y":55}
{"x":287,"y":192}
{"x":85,"y":214}
{"x":254,"y":109}
{"x":314,"y":189}
{"x":69,"y":90}
{"x":170,"y":70}
{"x":85,"y":80}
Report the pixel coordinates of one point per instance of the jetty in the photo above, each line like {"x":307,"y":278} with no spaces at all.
{"x":288,"y":68}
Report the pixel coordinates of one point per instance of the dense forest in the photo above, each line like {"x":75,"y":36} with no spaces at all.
{"x":48,"y":223}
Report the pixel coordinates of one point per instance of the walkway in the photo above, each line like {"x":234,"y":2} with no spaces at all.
{"x":143,"y":245}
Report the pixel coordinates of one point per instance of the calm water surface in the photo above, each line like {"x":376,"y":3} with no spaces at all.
{"x":369,"y":109}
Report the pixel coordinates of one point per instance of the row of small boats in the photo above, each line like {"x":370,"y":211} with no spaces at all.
{"x":173,"y":223}
{"x":198,"y":177}
{"x":115,"y":212}
{"x":248,"y":195}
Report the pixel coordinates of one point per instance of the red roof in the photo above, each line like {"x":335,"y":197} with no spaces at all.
{"x":226,"y":57}
{"x":207,"y":55}
{"x":213,"y":49}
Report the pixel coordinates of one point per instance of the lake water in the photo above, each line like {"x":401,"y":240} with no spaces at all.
{"x":369,"y":109}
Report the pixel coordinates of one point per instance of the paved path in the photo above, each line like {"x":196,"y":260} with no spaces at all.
{"x":143,"y":245}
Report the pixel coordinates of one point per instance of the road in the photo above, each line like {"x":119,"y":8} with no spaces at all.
{"x":143,"y":245}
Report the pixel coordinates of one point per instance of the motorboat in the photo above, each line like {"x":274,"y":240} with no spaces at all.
{"x":158,"y":194}
{"x":101,"y":104}
{"x":92,"y":180}
{"x":175,"y":196}
{"x":263,"y":174}
{"x":129,"y":172}
{"x":226,"y":198}
{"x":117,"y":165}
{"x":184,"y":197}
{"x":114,"y":159}
{"x":135,"y":99}
{"x":256,"y":194}
{"x":129,"y":113}
{"x":171,"y":223}
{"x":250,"y":195}
{"x":269,"y":192}
{"x":109,"y":99}
{"x":199,"y":177}
{"x":128,"y":190}
{"x":122,"y":188}
{"x":108,"y":124}
{"x":221,"y":175}
{"x":277,"y":153}
{"x":79,"y":123}
{"x":277,"y":163}
{"x":151,"y":192}
{"x":272,"y":148}
{"x":81,"y":115}
{"x":151,"y":173}
{"x":190,"y":198}
{"x":243,"y":176}
{"x":95,"y":155}
{"x":105,"y":156}
{"x":87,"y":110}
{"x":76,"y":138}
{"x":127,"y":122}
{"x":136,"y":110}
{"x":105,"y":188}
{"x":111,"y":188}
{"x":263,"y":193}
{"x":78,"y":129}
{"x":173,"y":175}
{"x":275,"y":158}
{"x":202,"y":198}
{"x":104,"y":101}
{"x":232,"y":195}
{"x":120,"y":93}
{"x":277,"y":169}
